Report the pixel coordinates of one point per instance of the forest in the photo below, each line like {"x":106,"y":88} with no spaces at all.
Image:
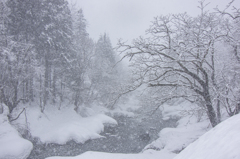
{"x":184,"y":71}
{"x":47,"y":56}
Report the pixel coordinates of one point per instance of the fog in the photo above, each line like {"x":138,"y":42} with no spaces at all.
{"x":129,"y":19}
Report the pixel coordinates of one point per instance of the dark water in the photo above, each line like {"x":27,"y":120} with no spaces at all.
{"x":130,"y":136}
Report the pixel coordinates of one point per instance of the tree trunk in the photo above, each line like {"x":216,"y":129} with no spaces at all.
{"x":237,"y":109}
{"x":15,"y":98}
{"x":46,"y":81}
{"x":31,"y":96}
{"x":218,"y":111}
{"x":54,"y":85}
{"x":61,"y":94}
{"x":27,"y":91}
{"x":24,"y":87}
{"x":210,"y":111}
{"x":41,"y":95}
{"x":1,"y":108}
{"x":76,"y":99}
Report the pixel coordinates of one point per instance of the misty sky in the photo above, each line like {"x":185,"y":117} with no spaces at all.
{"x":128,"y":19}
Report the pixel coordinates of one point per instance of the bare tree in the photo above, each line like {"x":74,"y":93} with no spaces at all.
{"x":178,"y":55}
{"x":229,"y":84}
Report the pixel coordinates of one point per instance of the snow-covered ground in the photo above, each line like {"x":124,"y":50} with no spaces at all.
{"x":190,"y":126}
{"x":222,"y":142}
{"x":171,"y":140}
{"x":12,"y":145}
{"x":219,"y":143}
{"x":61,"y":126}
{"x":52,"y":126}
{"x":102,"y":155}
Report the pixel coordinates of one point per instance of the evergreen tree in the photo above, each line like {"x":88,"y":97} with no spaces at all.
{"x":104,"y":71}
{"x":81,"y":65}
{"x":15,"y":58}
{"x":47,"y":26}
{"x":53,"y":41}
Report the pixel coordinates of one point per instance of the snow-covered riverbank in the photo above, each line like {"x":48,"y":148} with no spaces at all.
{"x":12,"y":145}
{"x":59,"y":128}
{"x":190,"y":128}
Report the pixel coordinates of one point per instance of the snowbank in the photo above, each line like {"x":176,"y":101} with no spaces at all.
{"x":12,"y":146}
{"x":189,"y":128}
{"x":61,"y":126}
{"x":222,"y":142}
{"x":219,"y":143}
{"x":171,"y":140}
{"x":102,"y":155}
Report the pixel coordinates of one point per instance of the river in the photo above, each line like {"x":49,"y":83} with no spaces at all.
{"x":131,"y":135}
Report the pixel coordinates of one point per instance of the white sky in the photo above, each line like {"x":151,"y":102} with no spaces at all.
{"x":128,"y":19}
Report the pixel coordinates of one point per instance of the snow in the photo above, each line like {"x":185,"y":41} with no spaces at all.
{"x":12,"y":145}
{"x":221,"y":142}
{"x":171,"y":140}
{"x":176,"y":139}
{"x":189,"y":127}
{"x":102,"y":155}
{"x":61,"y":126}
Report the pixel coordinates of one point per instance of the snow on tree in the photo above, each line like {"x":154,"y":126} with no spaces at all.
{"x":104,"y":73}
{"x":229,"y":80}
{"x":53,"y":42}
{"x":45,"y":29}
{"x":178,"y":57}
{"x":16,"y":56}
{"x":79,"y":81}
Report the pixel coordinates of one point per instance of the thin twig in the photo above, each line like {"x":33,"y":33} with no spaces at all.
{"x":18,"y":115}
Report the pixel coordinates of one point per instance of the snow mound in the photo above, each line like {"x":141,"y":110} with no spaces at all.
{"x":12,"y":145}
{"x":61,"y":126}
{"x":189,"y":128}
{"x":222,"y":142}
{"x":176,"y":139}
{"x":103,"y":155}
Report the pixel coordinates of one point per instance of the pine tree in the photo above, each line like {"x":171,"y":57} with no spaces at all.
{"x":53,"y":42}
{"x":16,"y":54}
{"x":47,"y":26}
{"x":81,"y":65}
{"x":104,"y":71}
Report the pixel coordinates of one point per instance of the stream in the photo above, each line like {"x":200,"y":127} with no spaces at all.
{"x":129,"y":136}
